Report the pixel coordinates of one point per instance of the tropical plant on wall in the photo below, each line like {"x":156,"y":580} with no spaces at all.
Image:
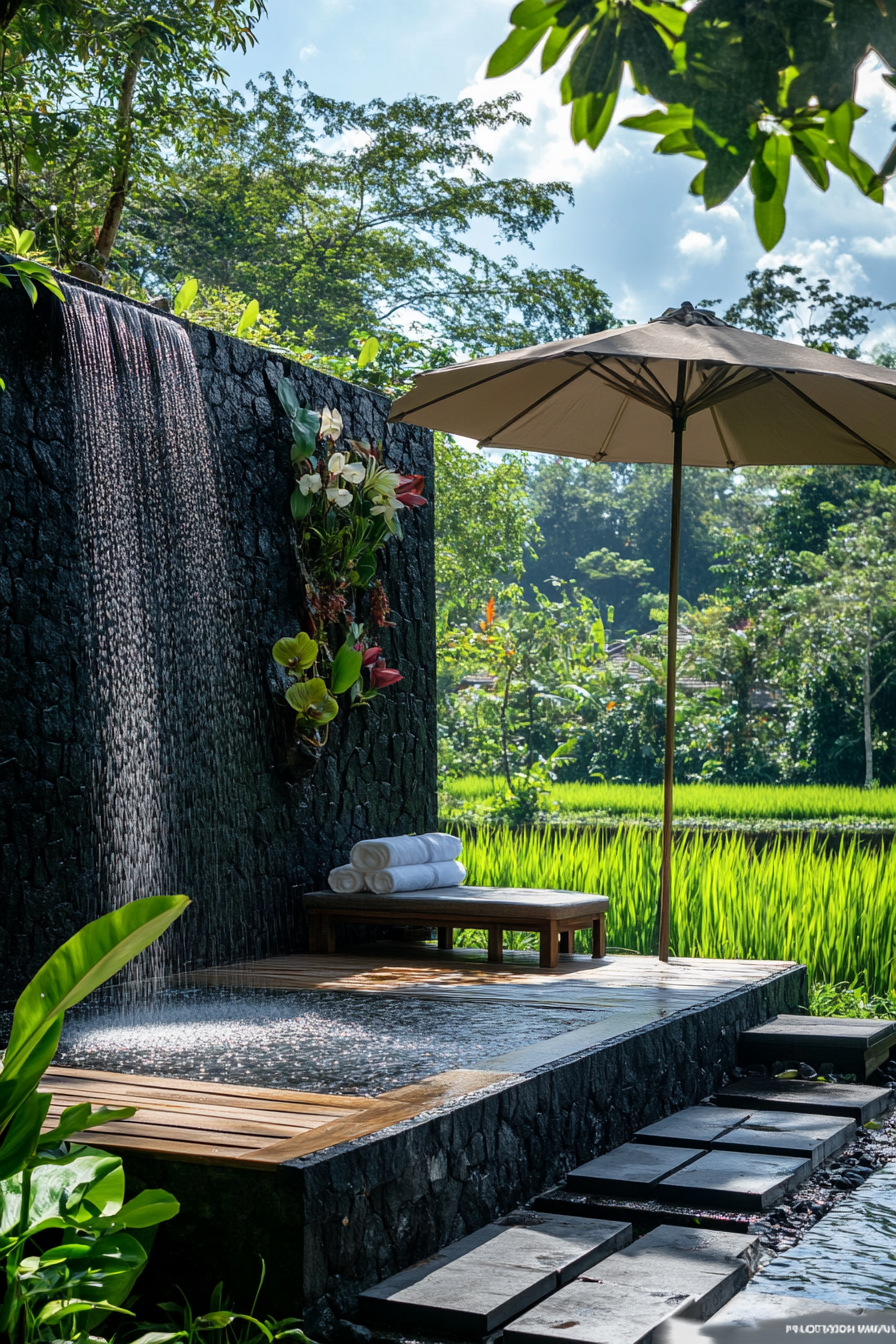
{"x":345,"y":506}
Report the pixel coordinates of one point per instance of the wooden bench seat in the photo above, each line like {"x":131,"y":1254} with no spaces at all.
{"x":553,"y":915}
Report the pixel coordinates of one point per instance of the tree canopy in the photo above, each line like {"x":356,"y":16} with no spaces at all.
{"x":743,"y":86}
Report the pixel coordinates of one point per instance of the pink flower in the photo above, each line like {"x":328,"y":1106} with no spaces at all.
{"x":407,"y":492}
{"x":369,"y":655}
{"x":381,"y":675}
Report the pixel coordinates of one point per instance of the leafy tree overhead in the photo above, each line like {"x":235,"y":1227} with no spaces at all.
{"x":744,"y":86}
{"x":824,"y":318}
{"x":344,"y":216}
{"x":94,"y":98}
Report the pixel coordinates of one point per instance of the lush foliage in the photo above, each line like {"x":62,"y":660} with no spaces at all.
{"x":71,"y":1246}
{"x":94,"y":97}
{"x":342,"y":215}
{"x":745,"y":89}
{"x":792,"y":900}
{"x":345,"y":506}
{"x":25,"y":265}
{"x":754,"y":803}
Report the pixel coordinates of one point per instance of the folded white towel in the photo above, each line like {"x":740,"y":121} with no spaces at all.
{"x":372,"y":855}
{"x":417,"y":877}
{"x":347,"y":879}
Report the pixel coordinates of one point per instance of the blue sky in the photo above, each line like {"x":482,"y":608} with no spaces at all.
{"x":633,"y":228}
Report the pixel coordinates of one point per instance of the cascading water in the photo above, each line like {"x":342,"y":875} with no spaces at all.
{"x":176,"y":703}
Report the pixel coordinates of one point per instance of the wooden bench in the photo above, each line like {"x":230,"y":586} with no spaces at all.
{"x":553,"y":915}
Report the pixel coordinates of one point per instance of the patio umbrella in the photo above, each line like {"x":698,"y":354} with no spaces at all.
{"x":685,"y":389}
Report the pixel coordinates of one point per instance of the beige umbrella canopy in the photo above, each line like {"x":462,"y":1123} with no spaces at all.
{"x":685,"y":389}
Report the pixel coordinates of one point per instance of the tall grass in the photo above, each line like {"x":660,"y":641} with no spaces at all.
{"x":785,"y":902}
{"x":797,"y":802}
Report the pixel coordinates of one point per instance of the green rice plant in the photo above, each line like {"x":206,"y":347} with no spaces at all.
{"x":788,"y":901}
{"x":744,"y":802}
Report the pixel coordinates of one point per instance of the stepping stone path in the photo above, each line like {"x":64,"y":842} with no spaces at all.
{"x":554,"y":1276}
{"x":669,"y":1272}
{"x":474,"y":1286}
{"x":772,"y":1094}
{"x":846,"y":1045}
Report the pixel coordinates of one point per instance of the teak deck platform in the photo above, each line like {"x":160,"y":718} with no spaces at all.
{"x":261,"y":1128}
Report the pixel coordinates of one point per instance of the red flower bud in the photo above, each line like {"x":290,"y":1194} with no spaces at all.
{"x":381,"y":675}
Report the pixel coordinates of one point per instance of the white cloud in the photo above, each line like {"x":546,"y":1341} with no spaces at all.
{"x":307,"y":52}
{"x":875,"y":247}
{"x":820,"y":259}
{"x":702,"y":246}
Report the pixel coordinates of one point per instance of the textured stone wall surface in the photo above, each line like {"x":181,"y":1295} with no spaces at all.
{"x":378,"y":773}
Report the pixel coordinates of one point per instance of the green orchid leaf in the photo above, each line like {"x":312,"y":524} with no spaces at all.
{"x":302,"y":447}
{"x":346,"y":669}
{"x":287,"y":396}
{"x":300,"y":505}
{"x":86,"y":961}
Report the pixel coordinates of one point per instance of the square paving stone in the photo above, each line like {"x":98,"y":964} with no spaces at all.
{"x":477,"y":1284}
{"x":753,"y":1308}
{"x":597,"y":1313}
{"x":854,"y":1045}
{"x":736,"y":1180}
{"x":631,"y":1170}
{"x":671,"y":1271}
{"x":859,"y":1102}
{"x":787,"y":1134}
{"x":692,"y":1127}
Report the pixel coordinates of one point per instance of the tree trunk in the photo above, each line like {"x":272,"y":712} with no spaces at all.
{"x":120,"y":183}
{"x":866,"y":711}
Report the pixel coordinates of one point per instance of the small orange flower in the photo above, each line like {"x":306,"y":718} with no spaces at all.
{"x":611,"y":705}
{"x":490,"y":611}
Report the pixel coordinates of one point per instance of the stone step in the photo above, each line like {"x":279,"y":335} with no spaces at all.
{"x":859,"y":1102}
{"x":777,"y":1132}
{"x":749,"y":1310}
{"x":647,"y":1214}
{"x":479,"y":1283}
{"x":854,"y":1045}
{"x":669,"y":1272}
{"x":632,"y":1171}
{"x":735,"y":1180}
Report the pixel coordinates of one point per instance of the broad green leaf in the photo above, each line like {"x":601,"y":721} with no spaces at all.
{"x":74,"y":1119}
{"x":808,"y":149}
{"x":365,"y":569}
{"x":302,"y":447}
{"x":185,"y":296}
{"x":249,"y":318}
{"x":57,"y":1310}
{"x":679,"y":142}
{"x":558,"y":41}
{"x":369,"y":351}
{"x":769,"y":177}
{"x":147,"y":1209}
{"x":82,"y":964}
{"x":662,"y":121}
{"x":306,"y":693}
{"x":300,"y":505}
{"x":305,"y":427}
{"x":598,"y":635}
{"x":287,"y":397}
{"x":346,"y":669}
{"x":514,"y":49}
{"x":23,"y":1134}
{"x":28,"y":287}
{"x":160,"y":1337}
{"x":727,"y":164}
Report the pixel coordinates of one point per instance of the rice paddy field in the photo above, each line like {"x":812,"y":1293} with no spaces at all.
{"x":737,"y":803}
{"x":795,"y":899}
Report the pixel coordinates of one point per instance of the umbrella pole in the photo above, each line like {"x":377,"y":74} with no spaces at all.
{"x":671,"y":669}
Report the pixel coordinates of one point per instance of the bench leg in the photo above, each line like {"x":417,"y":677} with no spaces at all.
{"x":446,"y":937}
{"x":321,"y":933}
{"x":549,"y":944}
{"x":565,"y":941}
{"x":496,"y":944}
{"x":599,"y":937}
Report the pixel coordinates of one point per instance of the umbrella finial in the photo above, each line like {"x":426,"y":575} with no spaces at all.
{"x":689,"y":316}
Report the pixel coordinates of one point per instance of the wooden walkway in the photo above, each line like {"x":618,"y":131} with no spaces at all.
{"x":260,"y":1127}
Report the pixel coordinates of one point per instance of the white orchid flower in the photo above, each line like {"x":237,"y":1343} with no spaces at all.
{"x":389,"y":508}
{"x":310,"y":484}
{"x":354,"y":472}
{"x":330,"y":423}
{"x":337,"y":495}
{"x":336,"y":464}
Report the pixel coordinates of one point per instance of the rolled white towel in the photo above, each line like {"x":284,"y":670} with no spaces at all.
{"x":417,"y":877}
{"x":347,"y":879}
{"x":399,"y":850}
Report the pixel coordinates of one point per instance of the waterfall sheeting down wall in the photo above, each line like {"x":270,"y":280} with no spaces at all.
{"x":146,"y":568}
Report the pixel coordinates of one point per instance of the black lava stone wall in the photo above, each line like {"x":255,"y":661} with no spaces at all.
{"x":378,"y":773}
